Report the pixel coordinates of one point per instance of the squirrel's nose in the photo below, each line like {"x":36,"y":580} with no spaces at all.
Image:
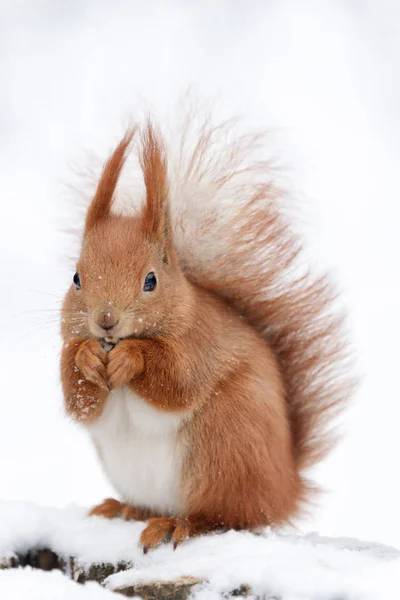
{"x":108,"y":319}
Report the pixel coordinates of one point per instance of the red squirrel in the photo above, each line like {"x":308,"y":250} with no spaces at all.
{"x":205,"y":367}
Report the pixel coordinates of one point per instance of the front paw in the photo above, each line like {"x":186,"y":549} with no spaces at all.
{"x":91,"y":361}
{"x":125,"y":362}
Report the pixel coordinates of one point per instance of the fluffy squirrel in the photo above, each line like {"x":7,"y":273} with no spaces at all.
{"x":205,"y":364}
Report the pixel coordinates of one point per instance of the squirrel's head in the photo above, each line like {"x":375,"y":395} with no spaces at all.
{"x":127,"y":282}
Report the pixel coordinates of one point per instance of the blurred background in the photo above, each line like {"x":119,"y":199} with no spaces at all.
{"x":323,"y":76}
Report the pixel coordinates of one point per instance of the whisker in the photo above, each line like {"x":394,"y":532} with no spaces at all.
{"x":47,"y":311}
{"x":59,"y":298}
{"x":42,"y":320}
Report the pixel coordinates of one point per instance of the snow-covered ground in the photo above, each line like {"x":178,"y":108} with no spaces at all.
{"x":286,"y":566}
{"x":31,"y":584}
{"x":324,"y":77}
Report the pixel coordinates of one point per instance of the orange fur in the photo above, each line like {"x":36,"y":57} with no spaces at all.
{"x":250,"y":351}
{"x":84,"y":394}
{"x":101,"y":205}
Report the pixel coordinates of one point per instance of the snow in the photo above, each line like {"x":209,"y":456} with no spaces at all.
{"x":29,"y":584}
{"x":67,"y":532}
{"x":289,"y":565}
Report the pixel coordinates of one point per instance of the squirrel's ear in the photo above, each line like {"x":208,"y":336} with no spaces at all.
{"x":101,"y":204}
{"x":155,"y":216}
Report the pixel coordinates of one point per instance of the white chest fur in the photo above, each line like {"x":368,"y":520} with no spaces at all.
{"x":140,"y":451}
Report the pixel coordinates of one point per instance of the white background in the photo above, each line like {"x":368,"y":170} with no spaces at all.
{"x":324,"y":76}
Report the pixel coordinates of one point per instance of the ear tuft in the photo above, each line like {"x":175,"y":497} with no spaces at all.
{"x":155,"y":216}
{"x":101,"y":204}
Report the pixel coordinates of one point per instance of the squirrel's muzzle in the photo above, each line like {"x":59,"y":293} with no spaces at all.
{"x":107,"y":319}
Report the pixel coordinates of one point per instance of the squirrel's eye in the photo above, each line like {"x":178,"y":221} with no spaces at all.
{"x":150,"y":282}
{"x":77,"y":281}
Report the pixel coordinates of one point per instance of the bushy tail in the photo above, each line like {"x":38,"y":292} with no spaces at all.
{"x":234,"y":236}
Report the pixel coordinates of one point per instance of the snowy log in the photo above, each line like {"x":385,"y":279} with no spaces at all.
{"x":268,"y":566}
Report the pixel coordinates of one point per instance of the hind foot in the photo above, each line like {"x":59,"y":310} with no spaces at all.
{"x":173,"y":529}
{"x":111,"y":509}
